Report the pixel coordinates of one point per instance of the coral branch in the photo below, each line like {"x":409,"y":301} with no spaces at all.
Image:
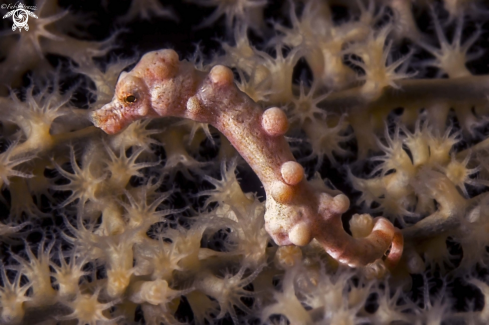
{"x":297,"y":212}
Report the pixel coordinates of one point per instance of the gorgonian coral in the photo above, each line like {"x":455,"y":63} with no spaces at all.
{"x":361,"y":121}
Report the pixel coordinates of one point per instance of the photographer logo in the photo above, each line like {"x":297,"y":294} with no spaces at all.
{"x":20,"y":14}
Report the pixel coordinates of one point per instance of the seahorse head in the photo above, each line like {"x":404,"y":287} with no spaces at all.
{"x":148,"y":85}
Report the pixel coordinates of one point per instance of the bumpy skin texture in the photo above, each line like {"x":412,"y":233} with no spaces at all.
{"x":161,"y":85}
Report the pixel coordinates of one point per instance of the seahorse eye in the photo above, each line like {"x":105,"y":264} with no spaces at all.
{"x":131,"y":99}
